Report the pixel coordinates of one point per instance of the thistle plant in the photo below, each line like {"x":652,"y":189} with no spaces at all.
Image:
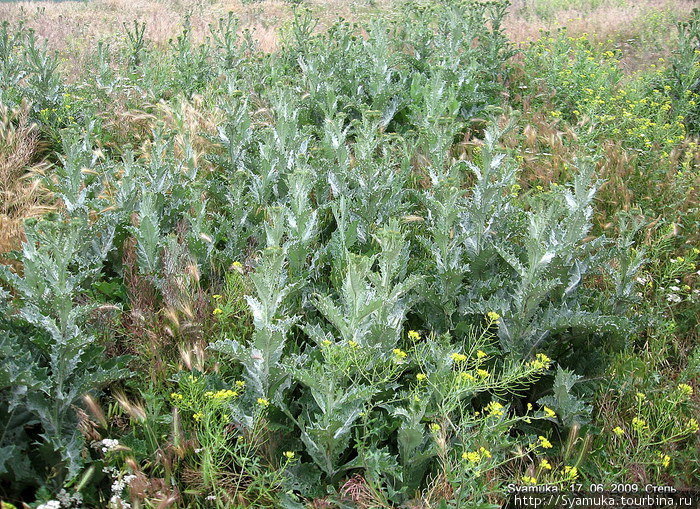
{"x":301,"y":225}
{"x":260,"y":357}
{"x":326,"y":425}
{"x":372,"y":305}
{"x":59,"y":258}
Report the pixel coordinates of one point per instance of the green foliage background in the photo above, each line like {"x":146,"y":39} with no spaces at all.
{"x":330,"y":273}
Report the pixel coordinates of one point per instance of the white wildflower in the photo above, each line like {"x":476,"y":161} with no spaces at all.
{"x":117,"y":503}
{"x":672,"y":297}
{"x":70,"y":499}
{"x":109,"y":444}
{"x":51,"y":504}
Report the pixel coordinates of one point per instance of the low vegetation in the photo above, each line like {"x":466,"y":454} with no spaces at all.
{"x":398,"y":261}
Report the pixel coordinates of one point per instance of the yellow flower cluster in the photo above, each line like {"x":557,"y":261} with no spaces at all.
{"x":549,"y":412}
{"x":541,"y":362}
{"x":399,"y":355}
{"x":458,"y":357}
{"x":639,"y":424}
{"x":263,"y":402}
{"x":221,"y":395}
{"x":472,"y":457}
{"x":570,"y":472}
{"x":685,"y":389}
{"x":494,"y":409}
{"x":176,"y":396}
{"x":414,"y":335}
{"x":476,"y":456}
{"x":544,"y":443}
{"x":642,"y":121}
{"x":493,"y":316}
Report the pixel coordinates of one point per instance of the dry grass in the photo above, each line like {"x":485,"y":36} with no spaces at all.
{"x":20,"y":165}
{"x":72,"y":27}
{"x":639,"y":27}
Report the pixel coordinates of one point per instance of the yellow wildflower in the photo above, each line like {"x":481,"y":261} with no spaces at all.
{"x":545,"y":465}
{"x":222,"y":395}
{"x":618,"y":431}
{"x":480,"y":354}
{"x":466,"y":377}
{"x":549,"y":412}
{"x":639,"y":424}
{"x":544,"y":443}
{"x":399,"y":355}
{"x":493,"y":316}
{"x":414,"y":335}
{"x":198,"y":416}
{"x":263,"y":402}
{"x":693,"y":425}
{"x":571,"y":472}
{"x":434,"y":427}
{"x":458,"y":357}
{"x":485,"y":453}
{"x":483,"y":373}
{"x":353,"y":344}
{"x":685,"y":389}
{"x":217,"y":311}
{"x":472,"y":457}
{"x":494,"y":409}
{"x":176,"y":396}
{"x":529,"y":479}
{"x":541,"y":362}
{"x":289,"y":455}
{"x":326,"y":342}
{"x":665,"y":460}
{"x":216,"y":297}
{"x":421,"y":376}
